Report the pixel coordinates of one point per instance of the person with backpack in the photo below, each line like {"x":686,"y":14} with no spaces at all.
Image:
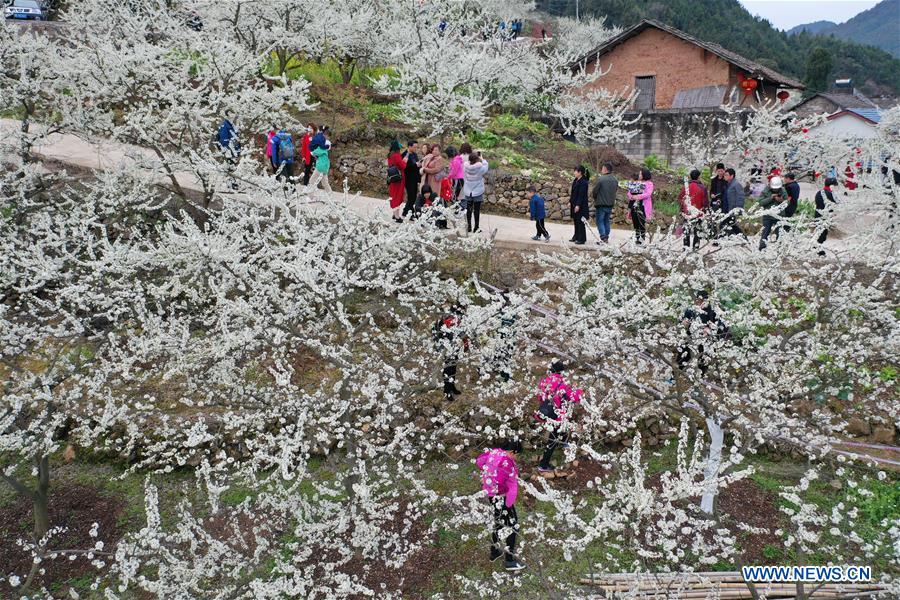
{"x":538,"y":212}
{"x":306,"y":153}
{"x":557,"y":400}
{"x":396,"y":178}
{"x":445,"y":335}
{"x":825,"y":204}
{"x":284,"y":153}
{"x":500,"y":481}
{"x":693,"y":200}
{"x":579,"y":209}
{"x":323,"y":165}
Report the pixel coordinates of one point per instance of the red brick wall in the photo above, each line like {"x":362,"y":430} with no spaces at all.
{"x":677,"y":65}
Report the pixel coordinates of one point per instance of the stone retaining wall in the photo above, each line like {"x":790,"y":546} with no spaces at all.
{"x":505,"y":194}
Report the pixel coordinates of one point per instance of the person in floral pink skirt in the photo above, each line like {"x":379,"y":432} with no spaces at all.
{"x":500,"y":480}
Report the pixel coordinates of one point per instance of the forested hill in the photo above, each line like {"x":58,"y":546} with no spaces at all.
{"x":878,"y":26}
{"x":728,"y":23}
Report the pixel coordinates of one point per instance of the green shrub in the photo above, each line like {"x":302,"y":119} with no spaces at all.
{"x":654,"y":163}
{"x":484,"y":139}
{"x":515,"y":126}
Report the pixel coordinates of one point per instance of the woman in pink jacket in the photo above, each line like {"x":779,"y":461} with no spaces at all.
{"x":456,"y":173}
{"x":640,"y":204}
{"x":269,"y":137}
{"x":557,"y":402}
{"x":500,"y":479}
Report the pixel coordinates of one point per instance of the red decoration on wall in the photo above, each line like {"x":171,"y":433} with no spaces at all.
{"x":748,"y":85}
{"x":783,"y":96}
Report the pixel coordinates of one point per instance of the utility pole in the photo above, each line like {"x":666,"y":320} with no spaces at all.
{"x":577,"y":18}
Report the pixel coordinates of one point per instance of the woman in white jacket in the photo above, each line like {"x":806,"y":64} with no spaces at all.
{"x":473,"y":188}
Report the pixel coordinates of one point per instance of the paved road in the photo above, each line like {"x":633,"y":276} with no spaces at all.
{"x":507,"y":231}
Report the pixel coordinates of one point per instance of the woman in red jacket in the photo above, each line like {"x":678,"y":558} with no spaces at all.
{"x":396,"y":188}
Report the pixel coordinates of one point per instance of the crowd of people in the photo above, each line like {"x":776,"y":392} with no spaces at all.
{"x":449,"y":183}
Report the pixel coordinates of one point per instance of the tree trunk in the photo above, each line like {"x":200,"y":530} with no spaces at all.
{"x":41,"y":503}
{"x":717,"y":438}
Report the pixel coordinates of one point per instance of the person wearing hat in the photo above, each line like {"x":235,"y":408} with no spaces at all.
{"x":772,"y":195}
{"x":557,"y":401}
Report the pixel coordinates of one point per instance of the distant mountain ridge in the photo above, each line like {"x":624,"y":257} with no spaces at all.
{"x":729,"y":24}
{"x":879,"y":26}
{"x":813,"y":28}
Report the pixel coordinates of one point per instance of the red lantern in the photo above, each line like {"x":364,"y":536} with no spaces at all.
{"x":783,"y":96}
{"x":748,"y":85}
{"x":805,"y":130}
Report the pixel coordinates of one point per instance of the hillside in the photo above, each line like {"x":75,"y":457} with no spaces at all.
{"x":728,"y":23}
{"x":879,"y":26}
{"x":813,"y":28}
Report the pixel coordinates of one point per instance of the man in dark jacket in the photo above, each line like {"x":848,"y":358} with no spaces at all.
{"x":717,"y":187}
{"x":824,"y":203}
{"x":700,"y":323}
{"x":412,"y":176}
{"x":792,"y":188}
{"x":604,"y":194}
{"x":579,"y":208}
{"x":733,"y":205}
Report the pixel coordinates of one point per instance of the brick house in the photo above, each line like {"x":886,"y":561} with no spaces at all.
{"x":679,"y":80}
{"x":673,"y":70}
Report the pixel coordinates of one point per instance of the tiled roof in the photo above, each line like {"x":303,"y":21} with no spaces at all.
{"x":872,"y":114}
{"x":752,"y":68}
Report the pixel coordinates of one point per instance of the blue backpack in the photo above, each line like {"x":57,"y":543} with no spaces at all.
{"x":285,"y":148}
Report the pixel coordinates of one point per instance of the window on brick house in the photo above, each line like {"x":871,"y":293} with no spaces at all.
{"x":646,"y":89}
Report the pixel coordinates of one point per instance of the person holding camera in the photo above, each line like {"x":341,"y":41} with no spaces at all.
{"x":473,"y":189}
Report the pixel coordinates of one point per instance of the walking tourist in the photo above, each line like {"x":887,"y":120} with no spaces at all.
{"x":284,"y":153}
{"x":792,"y":189}
{"x":578,"y":205}
{"x":270,"y":154}
{"x":449,"y":340}
{"x":824,"y":208}
{"x":323,"y":165}
{"x":396,"y":178}
{"x":694,"y":204}
{"x":604,"y":194}
{"x":500,"y":480}
{"x":640,"y":203}
{"x":773,"y":194}
{"x":306,"y":154}
{"x":557,"y":402}
{"x":473,"y":189}
{"x":538,"y":213}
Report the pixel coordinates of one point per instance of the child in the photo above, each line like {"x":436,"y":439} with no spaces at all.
{"x":538,"y":213}
{"x":323,"y":165}
{"x":446,"y":199}
{"x":500,"y":479}
{"x":425,"y":199}
{"x":557,"y":401}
